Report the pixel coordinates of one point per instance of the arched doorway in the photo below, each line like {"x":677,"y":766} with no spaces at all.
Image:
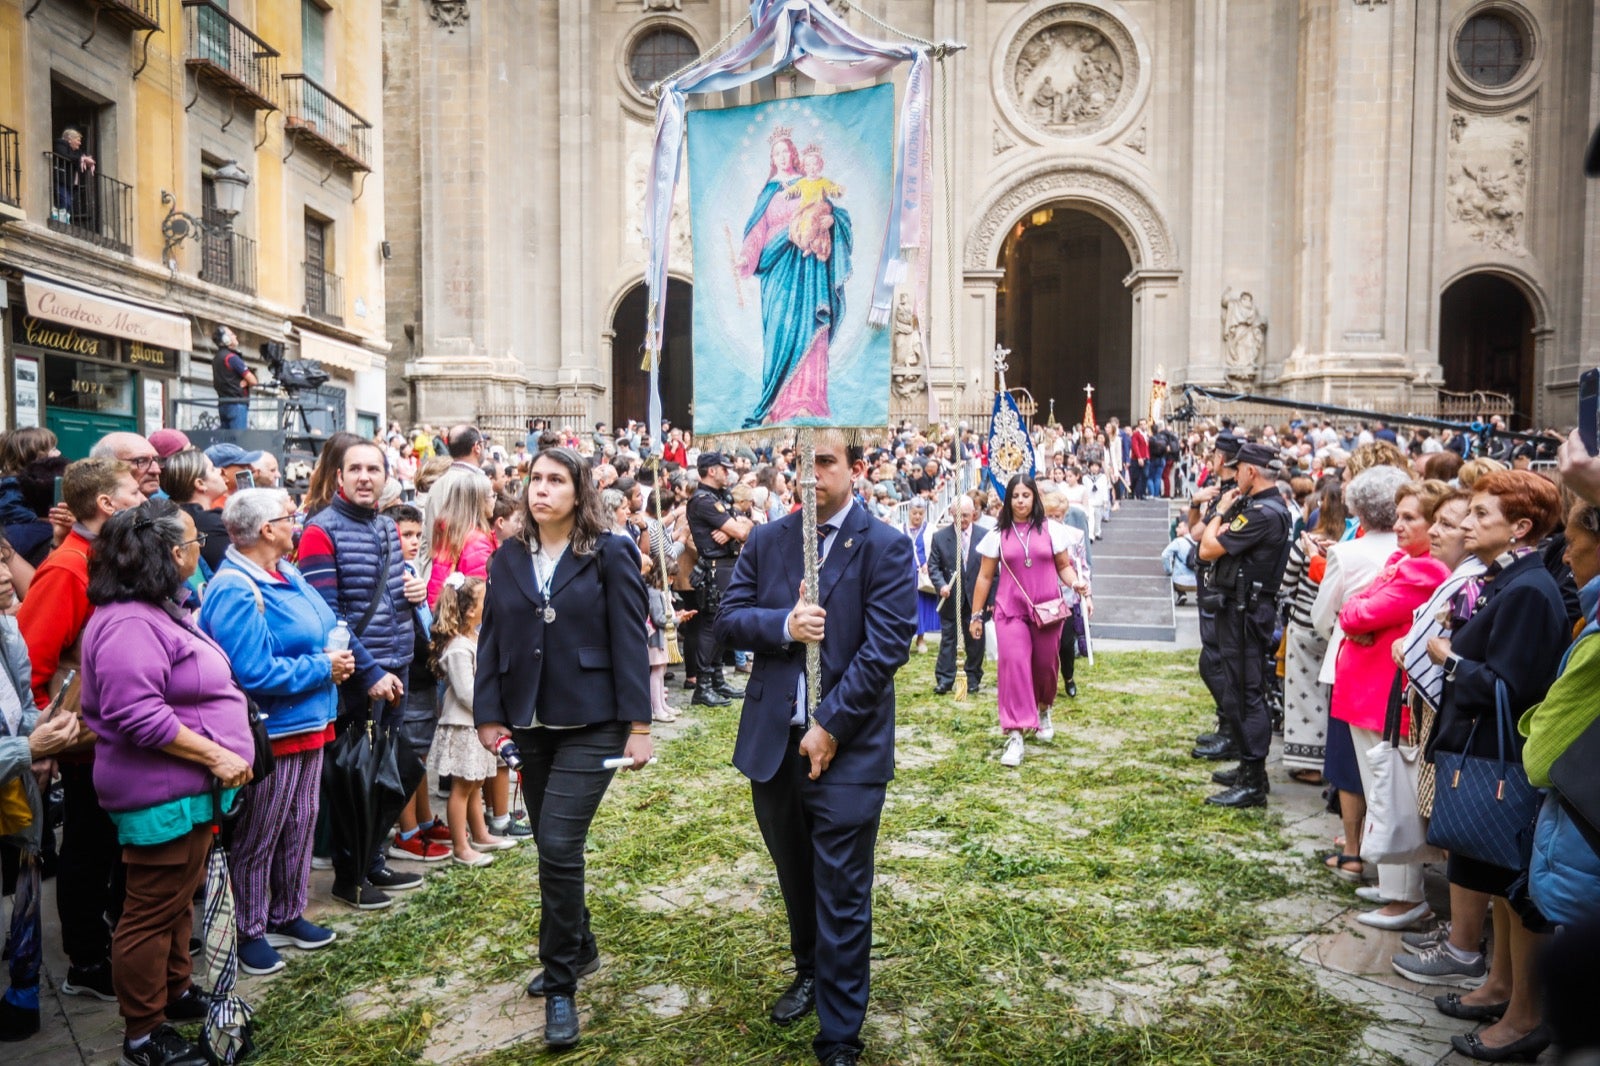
{"x":1486,"y":340}
{"x":1064,"y":312}
{"x":630,"y":385}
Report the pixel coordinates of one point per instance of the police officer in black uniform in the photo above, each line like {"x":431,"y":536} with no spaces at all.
{"x":1203,"y":507}
{"x":718,"y":535}
{"x":1248,"y":545}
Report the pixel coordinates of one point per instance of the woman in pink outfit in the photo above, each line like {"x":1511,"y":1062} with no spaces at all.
{"x":1030,"y":560}
{"x":1372,"y":620}
{"x":462,"y":503}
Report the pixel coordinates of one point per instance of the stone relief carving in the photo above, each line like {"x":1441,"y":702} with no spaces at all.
{"x":679,"y":252}
{"x":1067,"y":74}
{"x":1371,"y":5}
{"x":448,"y":13}
{"x":908,"y":356}
{"x":663,"y":5}
{"x":1137,"y":141}
{"x":1244,"y":335}
{"x":1150,"y":247}
{"x":1002,"y":143}
{"x":1487,"y":184}
{"x":1070,"y":70}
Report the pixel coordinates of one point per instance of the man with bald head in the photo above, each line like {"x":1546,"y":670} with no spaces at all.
{"x":956,"y":541}
{"x":137,"y":453}
{"x":465,"y":445}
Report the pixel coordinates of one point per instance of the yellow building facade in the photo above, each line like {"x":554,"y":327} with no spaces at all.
{"x":226,"y":170}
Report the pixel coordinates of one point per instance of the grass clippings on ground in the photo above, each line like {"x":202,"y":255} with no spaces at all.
{"x":1086,"y":907}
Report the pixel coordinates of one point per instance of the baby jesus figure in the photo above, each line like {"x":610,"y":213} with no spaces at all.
{"x":811,"y":229}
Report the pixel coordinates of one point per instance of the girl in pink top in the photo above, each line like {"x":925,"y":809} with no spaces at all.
{"x":462,"y":502}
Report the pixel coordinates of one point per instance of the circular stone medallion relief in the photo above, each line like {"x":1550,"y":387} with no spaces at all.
{"x":1070,"y":71}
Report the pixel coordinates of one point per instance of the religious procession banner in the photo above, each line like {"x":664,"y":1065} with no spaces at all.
{"x":1010,"y":447}
{"x":789,"y":202}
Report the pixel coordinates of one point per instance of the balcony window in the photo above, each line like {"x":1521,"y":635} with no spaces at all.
{"x":10,"y":167}
{"x":89,"y":204}
{"x":225,"y":53}
{"x":324,"y":123}
{"x":324,"y":289}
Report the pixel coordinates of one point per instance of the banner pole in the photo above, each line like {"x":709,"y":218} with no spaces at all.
{"x":808,"y":537}
{"x":956,"y":582}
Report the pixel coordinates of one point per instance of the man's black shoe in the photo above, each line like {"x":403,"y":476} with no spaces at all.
{"x":1230,"y":777}
{"x":706,"y":696}
{"x":393,"y":880}
{"x":941,"y":690}
{"x":842,"y":1057}
{"x":560,"y":1021}
{"x":1207,"y":739}
{"x":164,"y":1048}
{"x":798,"y":1000}
{"x":536,"y":986}
{"x":189,"y":1007}
{"x":1249,"y":790}
{"x":721,"y":687}
{"x":17,"y":1023}
{"x":93,"y":981}
{"x":1072,"y":688}
{"x":1221,"y":751}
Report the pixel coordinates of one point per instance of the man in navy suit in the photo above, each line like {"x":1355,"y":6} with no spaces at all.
{"x":942,"y":570}
{"x":818,"y":789}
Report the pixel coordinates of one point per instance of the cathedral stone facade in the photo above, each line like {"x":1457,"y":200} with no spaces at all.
{"x":1366,"y":202}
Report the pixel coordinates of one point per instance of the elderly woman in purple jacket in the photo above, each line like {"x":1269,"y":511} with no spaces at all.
{"x":159,"y":696}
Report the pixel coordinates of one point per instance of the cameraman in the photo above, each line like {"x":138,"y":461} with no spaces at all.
{"x":232,"y":379}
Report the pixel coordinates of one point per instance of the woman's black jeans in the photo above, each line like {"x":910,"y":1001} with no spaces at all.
{"x":562,"y":783}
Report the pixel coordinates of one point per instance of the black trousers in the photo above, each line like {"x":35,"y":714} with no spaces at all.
{"x":1136,"y":473}
{"x":709,"y":647}
{"x":562,"y":784}
{"x":821,"y":837}
{"x":1211,"y":671}
{"x":689,"y":632}
{"x":89,"y":875}
{"x":1069,"y":646}
{"x":944,"y":664}
{"x":1243,"y":636}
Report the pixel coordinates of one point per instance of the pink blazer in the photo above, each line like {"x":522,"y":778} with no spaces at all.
{"x":1383,"y":609}
{"x":474,"y":563}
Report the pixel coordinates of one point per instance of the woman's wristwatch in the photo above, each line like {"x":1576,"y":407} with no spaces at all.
{"x":1451,"y":661}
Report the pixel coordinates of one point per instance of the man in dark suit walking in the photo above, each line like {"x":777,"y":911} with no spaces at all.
{"x":942,"y":566}
{"x":818,"y":787}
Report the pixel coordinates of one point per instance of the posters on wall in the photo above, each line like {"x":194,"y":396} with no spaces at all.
{"x":25,"y":392}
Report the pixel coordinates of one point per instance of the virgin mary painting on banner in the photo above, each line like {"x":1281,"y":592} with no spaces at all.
{"x":785,"y":197}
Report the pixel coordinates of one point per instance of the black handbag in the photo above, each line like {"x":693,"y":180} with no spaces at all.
{"x":1485,"y":808}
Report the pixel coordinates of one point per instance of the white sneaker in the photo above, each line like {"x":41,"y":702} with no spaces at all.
{"x":1012,"y":756}
{"x":319,"y":863}
{"x":1047,"y":728}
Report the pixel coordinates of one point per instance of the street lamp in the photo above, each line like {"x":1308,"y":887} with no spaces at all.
{"x":229,"y":182}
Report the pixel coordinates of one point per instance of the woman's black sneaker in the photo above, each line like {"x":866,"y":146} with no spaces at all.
{"x":189,"y":1007}
{"x":362,"y":897}
{"x":164,"y":1048}
{"x":393,"y":880}
{"x":93,"y":981}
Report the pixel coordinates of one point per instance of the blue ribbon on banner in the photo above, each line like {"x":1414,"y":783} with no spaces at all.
{"x":809,"y":36}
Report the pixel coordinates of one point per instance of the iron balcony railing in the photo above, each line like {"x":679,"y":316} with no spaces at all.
{"x":226,"y":258}
{"x":135,"y":14}
{"x":89,"y":204}
{"x":224,"y":52}
{"x":324,"y":294}
{"x":10,"y":167}
{"x":314,"y":115}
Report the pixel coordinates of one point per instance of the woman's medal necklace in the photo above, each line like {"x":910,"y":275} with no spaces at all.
{"x":547,"y":576}
{"x":1027,"y":550}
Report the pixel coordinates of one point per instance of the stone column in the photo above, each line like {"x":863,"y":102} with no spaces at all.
{"x":1157,"y":331}
{"x":969,"y":387}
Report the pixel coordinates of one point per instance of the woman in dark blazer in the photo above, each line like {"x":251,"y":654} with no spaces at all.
{"x":568,"y":593}
{"x":1514,"y":631}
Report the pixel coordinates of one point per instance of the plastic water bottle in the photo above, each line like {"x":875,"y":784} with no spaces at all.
{"x":339,"y":639}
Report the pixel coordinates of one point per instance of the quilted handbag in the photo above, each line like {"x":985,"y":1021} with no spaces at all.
{"x":1484,"y":808}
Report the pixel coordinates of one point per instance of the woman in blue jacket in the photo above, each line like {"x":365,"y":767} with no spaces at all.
{"x":274,"y":627}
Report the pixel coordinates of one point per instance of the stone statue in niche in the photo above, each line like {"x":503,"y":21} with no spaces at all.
{"x":1485,"y":194}
{"x":1067,"y":75}
{"x":1244,"y":335}
{"x":907,"y":352}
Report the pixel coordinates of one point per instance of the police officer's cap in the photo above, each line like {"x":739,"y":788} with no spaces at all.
{"x":1228,"y":444}
{"x":1250,"y":454}
{"x":708,"y":460}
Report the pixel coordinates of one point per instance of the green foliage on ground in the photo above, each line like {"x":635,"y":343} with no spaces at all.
{"x":1084,"y":908}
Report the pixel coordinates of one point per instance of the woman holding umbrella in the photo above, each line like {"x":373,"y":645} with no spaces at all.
{"x":159,"y":695}
{"x":566,"y":593}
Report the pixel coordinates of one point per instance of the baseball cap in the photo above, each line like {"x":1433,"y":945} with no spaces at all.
{"x":228,"y":453}
{"x":168,"y":442}
{"x":1253,"y":455}
{"x":708,"y":460}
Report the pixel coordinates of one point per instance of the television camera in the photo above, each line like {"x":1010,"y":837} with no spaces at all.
{"x":292,"y":375}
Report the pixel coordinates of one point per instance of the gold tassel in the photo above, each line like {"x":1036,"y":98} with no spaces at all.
{"x":960,"y":688}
